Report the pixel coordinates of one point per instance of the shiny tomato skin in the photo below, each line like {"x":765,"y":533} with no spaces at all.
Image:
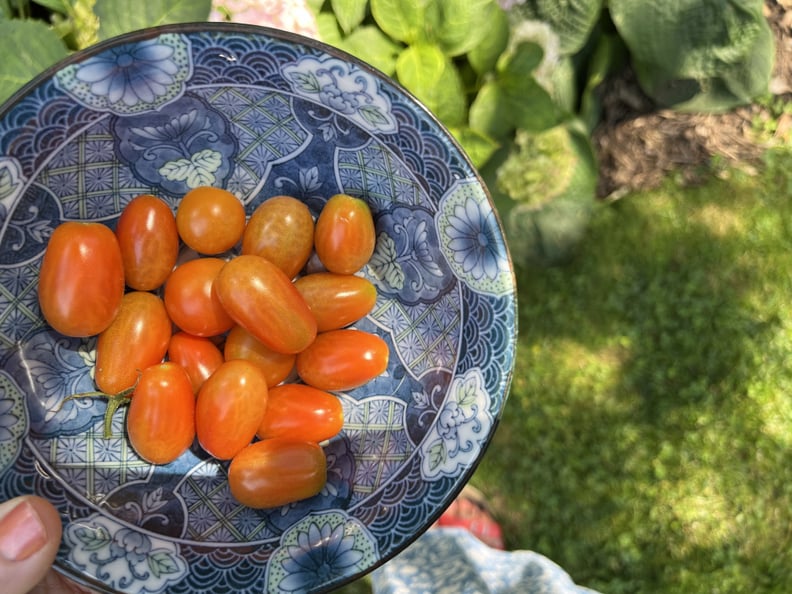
{"x":241,"y":344}
{"x":149,"y":242}
{"x":281,"y":229}
{"x":336,"y":300}
{"x":301,"y":412}
{"x":81,"y":281}
{"x":342,"y":359}
{"x":229,"y":408}
{"x":344,"y":236}
{"x":161,"y":416}
{"x":199,"y":356}
{"x":262,"y":299}
{"x":210,"y":220}
{"x":137,"y":338}
{"x":191,"y":300}
{"x":275,"y":472}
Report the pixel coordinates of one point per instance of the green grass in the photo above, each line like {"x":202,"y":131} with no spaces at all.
{"x":647,"y":440}
{"x":646,"y":445}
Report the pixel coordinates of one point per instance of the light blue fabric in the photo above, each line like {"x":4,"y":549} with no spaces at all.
{"x":453,"y":561}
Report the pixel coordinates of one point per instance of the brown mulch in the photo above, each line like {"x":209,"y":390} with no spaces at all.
{"x":639,"y":145}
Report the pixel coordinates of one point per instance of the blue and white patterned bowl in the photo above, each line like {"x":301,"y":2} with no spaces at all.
{"x":260,"y":112}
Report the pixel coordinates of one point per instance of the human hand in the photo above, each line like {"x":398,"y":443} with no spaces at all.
{"x":30,"y":533}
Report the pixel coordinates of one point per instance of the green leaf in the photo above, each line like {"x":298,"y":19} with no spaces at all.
{"x":35,"y":47}
{"x":373,"y":47}
{"x":485,"y":54}
{"x":93,"y":539}
{"x":161,"y":562}
{"x":402,"y":20}
{"x":478,"y":147}
{"x":437,"y":454}
{"x":701,"y":54}
{"x":521,"y":61}
{"x":457,"y":26}
{"x":573,"y":20}
{"x":349,"y":13}
{"x":121,"y":16}
{"x":327,"y":25}
{"x":488,"y":115}
{"x":432,"y":77}
{"x":315,"y":5}
{"x":61,"y":6}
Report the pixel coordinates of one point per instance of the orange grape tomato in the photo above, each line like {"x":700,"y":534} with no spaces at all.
{"x":149,"y":242}
{"x":241,"y":344}
{"x":137,"y":338}
{"x":281,"y":229}
{"x":81,"y":281}
{"x":200,"y":357}
{"x":336,"y":300}
{"x":191,"y":300}
{"x":301,"y":412}
{"x":262,"y":299}
{"x":161,"y":417}
{"x":344,"y":236}
{"x":342,"y":359}
{"x":278,"y":471}
{"x":210,"y":220}
{"x":229,"y":408}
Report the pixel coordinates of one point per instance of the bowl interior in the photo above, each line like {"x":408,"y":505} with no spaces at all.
{"x":261,"y":113}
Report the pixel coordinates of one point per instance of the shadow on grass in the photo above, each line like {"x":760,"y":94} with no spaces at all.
{"x":634,"y":449}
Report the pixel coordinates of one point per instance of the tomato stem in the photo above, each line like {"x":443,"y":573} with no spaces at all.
{"x":114,"y":402}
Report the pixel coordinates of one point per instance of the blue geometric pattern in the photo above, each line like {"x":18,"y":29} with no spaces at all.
{"x":261,"y":113}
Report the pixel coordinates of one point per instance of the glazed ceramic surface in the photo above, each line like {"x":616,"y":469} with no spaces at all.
{"x":261,"y":113}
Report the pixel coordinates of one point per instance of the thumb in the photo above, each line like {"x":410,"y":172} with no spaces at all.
{"x":30,"y":534}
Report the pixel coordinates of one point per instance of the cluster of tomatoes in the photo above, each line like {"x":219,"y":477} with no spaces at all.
{"x":242,"y":352}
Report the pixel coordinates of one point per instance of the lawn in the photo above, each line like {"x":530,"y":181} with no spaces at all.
{"x":645,"y":445}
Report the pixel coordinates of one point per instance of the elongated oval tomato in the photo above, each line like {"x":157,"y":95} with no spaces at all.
{"x":210,"y":220}
{"x":274,"y":472}
{"x":149,"y":242}
{"x":161,"y":416}
{"x":191,"y":300}
{"x":281,"y":230}
{"x":342,"y":359}
{"x":81,"y":281}
{"x":301,"y":412}
{"x":229,"y":409}
{"x":241,"y":344}
{"x":136,"y":339}
{"x":344,"y":236}
{"x":199,"y":356}
{"x":336,"y":300}
{"x":262,"y":299}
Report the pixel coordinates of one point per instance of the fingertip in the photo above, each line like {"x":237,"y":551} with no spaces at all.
{"x":30,"y":534}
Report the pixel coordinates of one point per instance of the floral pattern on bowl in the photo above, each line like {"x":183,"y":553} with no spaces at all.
{"x":260,"y":112}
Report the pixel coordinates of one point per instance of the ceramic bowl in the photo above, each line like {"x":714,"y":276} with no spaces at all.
{"x":259,"y":112}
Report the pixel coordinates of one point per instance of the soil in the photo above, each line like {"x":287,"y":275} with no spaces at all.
{"x":638,"y":145}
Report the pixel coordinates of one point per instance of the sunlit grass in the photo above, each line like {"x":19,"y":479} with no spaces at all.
{"x":645,"y":446}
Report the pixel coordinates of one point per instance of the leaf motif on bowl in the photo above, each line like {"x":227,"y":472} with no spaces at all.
{"x":471,"y":239}
{"x":462,"y":427}
{"x":343,"y":88}
{"x":130,"y":78}
{"x":318,"y":550}
{"x":123,"y":558}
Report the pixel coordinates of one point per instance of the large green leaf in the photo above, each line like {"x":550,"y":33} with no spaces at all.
{"x":121,"y":16}
{"x":573,"y":20}
{"x":484,"y":56}
{"x":698,"y":54}
{"x":36,"y":47}
{"x":457,"y":26}
{"x":350,"y":13}
{"x":432,"y":77}
{"x":373,"y":47}
{"x":403,"y":20}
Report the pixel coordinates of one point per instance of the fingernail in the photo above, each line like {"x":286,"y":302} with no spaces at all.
{"x":21,"y":533}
